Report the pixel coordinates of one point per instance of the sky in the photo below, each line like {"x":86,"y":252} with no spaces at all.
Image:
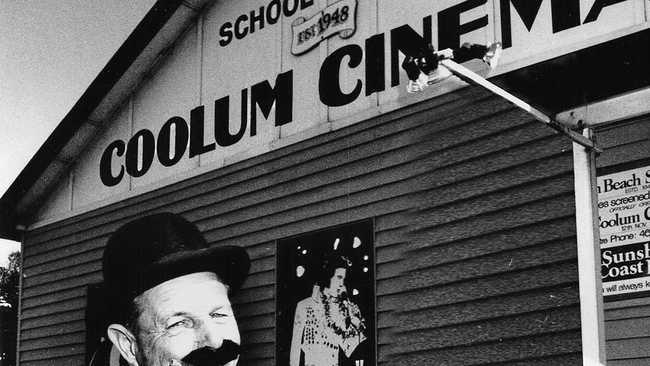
{"x":50,"y":51}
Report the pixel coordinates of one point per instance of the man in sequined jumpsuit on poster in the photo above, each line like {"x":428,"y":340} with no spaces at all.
{"x":327,"y":321}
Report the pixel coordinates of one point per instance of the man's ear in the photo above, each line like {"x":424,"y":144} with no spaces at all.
{"x":125,"y":342}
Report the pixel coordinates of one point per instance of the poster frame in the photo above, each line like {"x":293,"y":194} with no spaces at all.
{"x":375,"y":322}
{"x":612,"y":169}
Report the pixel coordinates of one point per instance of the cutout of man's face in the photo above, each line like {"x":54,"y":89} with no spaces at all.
{"x":180,"y":316}
{"x":337,"y":282}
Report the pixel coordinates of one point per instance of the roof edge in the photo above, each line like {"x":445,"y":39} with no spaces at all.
{"x":119,"y":63}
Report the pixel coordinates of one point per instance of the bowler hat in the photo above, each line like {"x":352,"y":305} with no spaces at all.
{"x":153,"y":249}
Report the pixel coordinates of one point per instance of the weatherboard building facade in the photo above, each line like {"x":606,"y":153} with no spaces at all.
{"x":487,"y":237}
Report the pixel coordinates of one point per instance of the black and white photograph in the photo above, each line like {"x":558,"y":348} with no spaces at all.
{"x":324,"y":182}
{"x":326,"y":297}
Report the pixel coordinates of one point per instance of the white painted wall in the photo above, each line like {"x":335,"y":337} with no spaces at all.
{"x":199,"y":71}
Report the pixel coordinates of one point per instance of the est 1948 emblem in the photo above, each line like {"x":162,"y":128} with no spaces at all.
{"x":338,"y":18}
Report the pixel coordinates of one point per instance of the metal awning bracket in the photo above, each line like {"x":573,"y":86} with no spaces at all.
{"x":473,"y":78}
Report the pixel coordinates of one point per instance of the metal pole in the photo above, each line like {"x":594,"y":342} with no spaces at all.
{"x":471,"y":77}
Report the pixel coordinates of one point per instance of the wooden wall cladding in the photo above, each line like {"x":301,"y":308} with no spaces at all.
{"x":473,"y":207}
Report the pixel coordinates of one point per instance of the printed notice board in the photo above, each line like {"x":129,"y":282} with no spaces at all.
{"x":624,"y":221}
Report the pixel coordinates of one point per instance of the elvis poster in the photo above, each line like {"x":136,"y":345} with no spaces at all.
{"x":325,"y":298}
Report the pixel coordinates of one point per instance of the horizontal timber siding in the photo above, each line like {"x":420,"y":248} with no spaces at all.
{"x":474,"y":236}
{"x":491,"y":274}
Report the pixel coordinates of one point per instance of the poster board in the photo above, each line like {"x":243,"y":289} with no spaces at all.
{"x":624,"y":226}
{"x":319,"y":318}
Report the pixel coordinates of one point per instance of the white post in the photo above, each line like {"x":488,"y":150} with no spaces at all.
{"x":591,"y":298}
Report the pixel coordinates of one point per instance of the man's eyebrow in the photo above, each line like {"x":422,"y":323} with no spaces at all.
{"x":219,"y":307}
{"x":164,"y":317}
{"x":189,"y":315}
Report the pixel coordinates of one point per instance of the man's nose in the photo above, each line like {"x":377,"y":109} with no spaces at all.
{"x":212,"y":334}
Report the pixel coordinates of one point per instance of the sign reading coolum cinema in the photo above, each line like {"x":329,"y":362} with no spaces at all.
{"x":624,"y":220}
{"x":261,"y":107}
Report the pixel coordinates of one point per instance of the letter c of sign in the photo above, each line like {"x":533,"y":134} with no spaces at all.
{"x":328,"y":83}
{"x":105,"y":172}
{"x":239,"y":31}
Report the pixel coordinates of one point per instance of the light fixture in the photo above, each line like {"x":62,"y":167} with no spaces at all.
{"x":413,"y":72}
{"x":424,"y":69}
{"x":430,"y":67}
{"x":490,"y":54}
